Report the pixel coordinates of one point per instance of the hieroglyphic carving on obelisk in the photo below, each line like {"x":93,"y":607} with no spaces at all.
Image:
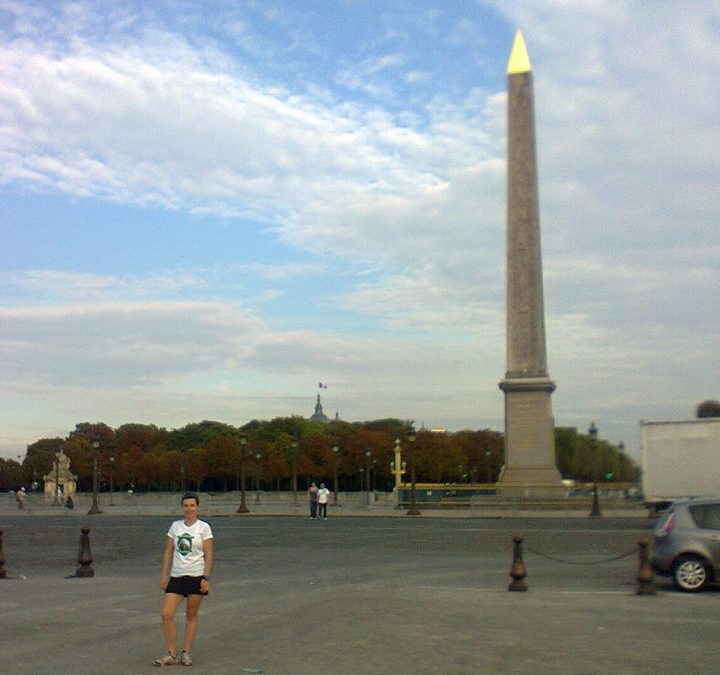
{"x":529,"y":424}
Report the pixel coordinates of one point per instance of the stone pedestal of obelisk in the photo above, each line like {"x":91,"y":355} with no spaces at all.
{"x":529,"y":425}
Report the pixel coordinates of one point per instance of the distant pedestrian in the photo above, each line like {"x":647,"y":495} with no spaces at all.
{"x":69,"y":503}
{"x":188,"y":558}
{"x":313,"y":497}
{"x":20,"y":498}
{"x":323,"y":494}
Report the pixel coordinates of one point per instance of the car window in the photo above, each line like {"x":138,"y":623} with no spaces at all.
{"x":666,"y":523}
{"x":706,"y":516}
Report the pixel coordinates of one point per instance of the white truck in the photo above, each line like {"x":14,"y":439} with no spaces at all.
{"x":680,"y":459}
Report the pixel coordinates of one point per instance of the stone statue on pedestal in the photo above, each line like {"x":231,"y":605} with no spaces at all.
{"x":60,"y":482}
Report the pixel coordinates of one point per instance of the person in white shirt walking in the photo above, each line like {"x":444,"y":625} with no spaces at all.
{"x":323,"y":495}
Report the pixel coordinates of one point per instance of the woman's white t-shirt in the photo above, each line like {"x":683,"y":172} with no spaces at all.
{"x":188,"y":552}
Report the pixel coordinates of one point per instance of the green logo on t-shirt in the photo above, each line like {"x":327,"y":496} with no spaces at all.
{"x":184,"y":543}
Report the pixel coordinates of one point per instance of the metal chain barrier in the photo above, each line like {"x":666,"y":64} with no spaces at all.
{"x":547,"y":556}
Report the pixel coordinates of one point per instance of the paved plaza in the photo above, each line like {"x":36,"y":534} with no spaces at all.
{"x":357,"y":593}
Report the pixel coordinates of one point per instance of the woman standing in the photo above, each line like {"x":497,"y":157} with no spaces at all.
{"x":190,"y":550}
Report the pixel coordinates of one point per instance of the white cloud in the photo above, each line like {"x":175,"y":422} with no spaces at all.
{"x":169,"y":363}
{"x":280,"y":272}
{"x":83,"y":286}
{"x":120,"y":125}
{"x":414,"y":76}
{"x":121,"y":342}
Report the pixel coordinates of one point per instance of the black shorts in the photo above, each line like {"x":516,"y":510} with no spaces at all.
{"x":184,"y":586}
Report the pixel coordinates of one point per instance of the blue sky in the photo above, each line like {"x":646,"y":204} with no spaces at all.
{"x":206,"y":208}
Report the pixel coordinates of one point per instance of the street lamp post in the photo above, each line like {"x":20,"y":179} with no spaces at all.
{"x":243,"y":507}
{"x":258,"y":456}
{"x":595,"y":510}
{"x":413,"y":510}
{"x":112,"y":481}
{"x":295,"y":450}
{"x":335,"y":450}
{"x":368,"y":454}
{"x":56,"y":500}
{"x":21,"y":477}
{"x":397,"y":469}
{"x":398,"y":472}
{"x":94,"y":509}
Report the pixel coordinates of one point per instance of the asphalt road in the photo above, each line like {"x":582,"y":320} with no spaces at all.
{"x":354,"y":595}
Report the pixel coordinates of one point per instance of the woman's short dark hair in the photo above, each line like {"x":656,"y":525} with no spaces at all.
{"x":190,"y":495}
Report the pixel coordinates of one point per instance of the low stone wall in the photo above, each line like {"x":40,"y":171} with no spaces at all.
{"x":211,"y":503}
{"x":577,"y":497}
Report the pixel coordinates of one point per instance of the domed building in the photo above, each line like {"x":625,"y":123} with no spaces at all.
{"x":319,"y":415}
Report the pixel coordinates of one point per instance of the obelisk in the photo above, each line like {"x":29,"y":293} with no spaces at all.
{"x":529,"y":424}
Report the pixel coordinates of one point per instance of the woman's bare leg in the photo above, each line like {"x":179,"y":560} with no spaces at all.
{"x":192,"y":606}
{"x":171,"y":602}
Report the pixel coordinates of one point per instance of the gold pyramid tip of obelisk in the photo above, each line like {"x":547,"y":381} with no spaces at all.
{"x":519,"y":61}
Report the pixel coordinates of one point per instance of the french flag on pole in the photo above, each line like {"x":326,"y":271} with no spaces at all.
{"x":321,"y":385}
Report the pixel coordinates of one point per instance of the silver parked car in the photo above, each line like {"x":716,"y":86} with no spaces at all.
{"x":687,"y":543}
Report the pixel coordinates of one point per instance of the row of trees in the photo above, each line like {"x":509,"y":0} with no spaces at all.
{"x":274,"y":455}
{"x":708,"y":409}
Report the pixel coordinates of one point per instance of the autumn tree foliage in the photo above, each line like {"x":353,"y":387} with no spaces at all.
{"x":206,"y":455}
{"x":708,"y":409}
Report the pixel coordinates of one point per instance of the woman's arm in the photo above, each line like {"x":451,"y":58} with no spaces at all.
{"x":208,"y":553}
{"x":167,"y":558}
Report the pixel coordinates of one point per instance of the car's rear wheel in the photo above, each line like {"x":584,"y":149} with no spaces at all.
{"x":690,"y":574}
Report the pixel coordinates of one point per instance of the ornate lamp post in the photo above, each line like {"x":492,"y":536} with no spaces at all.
{"x":94,"y":509}
{"x":258,"y":456}
{"x":112,"y":480}
{"x":413,"y":510}
{"x":368,"y":455}
{"x":243,"y":507}
{"x":295,"y":451}
{"x":335,"y":450}
{"x":397,"y":469}
{"x":56,"y":499}
{"x":593,"y":432}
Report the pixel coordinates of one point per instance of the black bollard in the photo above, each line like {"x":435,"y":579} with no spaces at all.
{"x":646,"y":575}
{"x":517,"y":571}
{"x":3,"y":571}
{"x":84,"y":556}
